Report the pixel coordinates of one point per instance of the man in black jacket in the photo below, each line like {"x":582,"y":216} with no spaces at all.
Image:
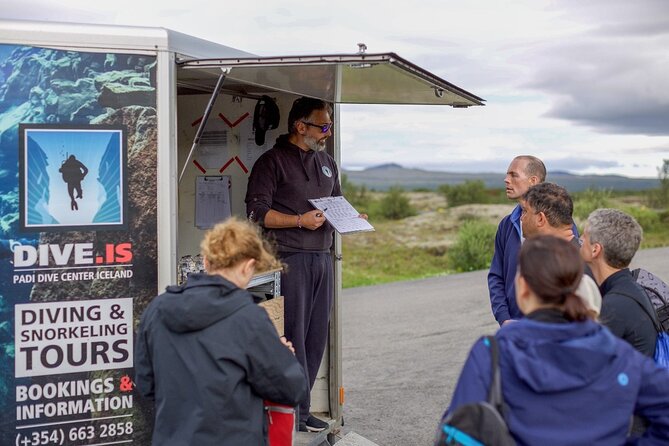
{"x":282,"y":181}
{"x":610,"y":240}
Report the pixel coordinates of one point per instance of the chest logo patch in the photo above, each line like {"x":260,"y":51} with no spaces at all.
{"x":326,"y":171}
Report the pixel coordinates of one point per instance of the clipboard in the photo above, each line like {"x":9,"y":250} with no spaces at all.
{"x":341,"y":215}
{"x":212,"y":200}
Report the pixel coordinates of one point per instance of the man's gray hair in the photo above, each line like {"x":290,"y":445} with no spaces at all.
{"x":618,"y":233}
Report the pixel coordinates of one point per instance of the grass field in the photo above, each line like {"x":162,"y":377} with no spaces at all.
{"x":417,"y":247}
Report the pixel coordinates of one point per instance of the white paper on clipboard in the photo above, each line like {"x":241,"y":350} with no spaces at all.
{"x":212,"y":200}
{"x":341,"y":215}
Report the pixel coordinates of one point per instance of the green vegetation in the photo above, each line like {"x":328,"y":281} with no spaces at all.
{"x":421,"y":233}
{"x":650,"y":208}
{"x":659,"y":198}
{"x":642,"y":206}
{"x":465,"y":193}
{"x":395,"y":205}
{"x":471,"y":192}
{"x":589,"y":200}
{"x":358,"y":196}
{"x":391,"y":205}
{"x":384,"y":260}
{"x":474,"y":246}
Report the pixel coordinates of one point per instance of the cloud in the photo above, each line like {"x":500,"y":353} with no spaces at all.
{"x":562,"y":80}
{"x":41,"y":10}
{"x":612,"y":78}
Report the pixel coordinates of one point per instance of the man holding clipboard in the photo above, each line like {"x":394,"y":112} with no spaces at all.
{"x":282,"y":182}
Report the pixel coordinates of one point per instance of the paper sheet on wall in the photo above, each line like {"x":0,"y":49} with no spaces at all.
{"x":212,"y":200}
{"x":250,"y":151}
{"x":341,"y":215}
{"x":213,"y":150}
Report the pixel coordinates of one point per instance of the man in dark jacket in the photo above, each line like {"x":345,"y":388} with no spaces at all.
{"x":547,"y":209}
{"x":282,"y":181}
{"x":209,"y":356}
{"x":610,"y":240}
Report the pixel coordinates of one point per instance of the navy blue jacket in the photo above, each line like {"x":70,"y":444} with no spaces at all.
{"x":569,"y":383}
{"x":502,"y":272}
{"x":209,"y":356}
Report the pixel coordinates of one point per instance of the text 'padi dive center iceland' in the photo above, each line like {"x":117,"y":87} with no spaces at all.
{"x":45,"y":263}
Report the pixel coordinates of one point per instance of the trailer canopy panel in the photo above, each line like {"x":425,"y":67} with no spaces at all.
{"x":348,"y":79}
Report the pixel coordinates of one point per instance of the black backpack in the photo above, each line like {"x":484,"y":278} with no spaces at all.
{"x":479,"y":424}
{"x":658,"y":293}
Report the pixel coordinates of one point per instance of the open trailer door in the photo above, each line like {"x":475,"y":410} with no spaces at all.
{"x":338,"y":79}
{"x":362,"y":78}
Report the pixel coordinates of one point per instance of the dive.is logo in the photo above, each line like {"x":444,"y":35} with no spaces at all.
{"x":71,"y":254}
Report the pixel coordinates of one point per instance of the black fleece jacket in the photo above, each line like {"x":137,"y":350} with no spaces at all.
{"x":622,"y":300}
{"x":283,"y":179}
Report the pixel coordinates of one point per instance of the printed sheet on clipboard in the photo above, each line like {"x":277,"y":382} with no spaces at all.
{"x":341,"y":215}
{"x":212,"y":200}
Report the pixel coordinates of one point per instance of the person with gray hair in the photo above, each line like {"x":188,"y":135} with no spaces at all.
{"x":610,"y":240}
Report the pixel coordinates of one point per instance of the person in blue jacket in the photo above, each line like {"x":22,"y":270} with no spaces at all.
{"x":524,"y":172}
{"x":209,"y":356}
{"x":566,"y":380}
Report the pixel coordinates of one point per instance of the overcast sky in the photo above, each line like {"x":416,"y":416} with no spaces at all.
{"x":582,"y":84}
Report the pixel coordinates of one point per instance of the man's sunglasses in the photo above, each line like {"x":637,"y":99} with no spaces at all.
{"x":323,"y":127}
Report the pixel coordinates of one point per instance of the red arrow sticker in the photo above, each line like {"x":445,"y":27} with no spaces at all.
{"x":225,"y":166}
{"x":241,"y":164}
{"x":199,"y":166}
{"x":236,"y":123}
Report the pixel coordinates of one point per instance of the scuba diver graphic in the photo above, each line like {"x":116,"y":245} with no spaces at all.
{"x":73,"y":172}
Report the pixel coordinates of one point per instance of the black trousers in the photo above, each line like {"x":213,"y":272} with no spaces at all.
{"x":308,"y":289}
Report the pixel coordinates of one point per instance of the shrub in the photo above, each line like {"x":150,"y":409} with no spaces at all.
{"x":647,"y":218}
{"x":474,"y":246}
{"x":467,"y":216}
{"x":590,"y":199}
{"x":358,"y":196}
{"x":659,"y":197}
{"x":395,"y":204}
{"x":471,"y":191}
{"x":497,"y":196}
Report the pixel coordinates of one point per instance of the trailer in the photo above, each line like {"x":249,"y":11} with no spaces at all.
{"x":163,"y":125}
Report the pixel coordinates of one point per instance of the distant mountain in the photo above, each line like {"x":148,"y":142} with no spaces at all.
{"x":384,"y":176}
{"x":385,"y":167}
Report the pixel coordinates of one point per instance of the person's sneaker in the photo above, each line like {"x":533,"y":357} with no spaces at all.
{"x":313,"y":424}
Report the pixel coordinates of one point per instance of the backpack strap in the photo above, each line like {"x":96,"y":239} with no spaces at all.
{"x":495,"y":397}
{"x":653,"y":317}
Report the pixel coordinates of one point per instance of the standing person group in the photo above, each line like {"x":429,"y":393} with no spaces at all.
{"x":566,"y":377}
